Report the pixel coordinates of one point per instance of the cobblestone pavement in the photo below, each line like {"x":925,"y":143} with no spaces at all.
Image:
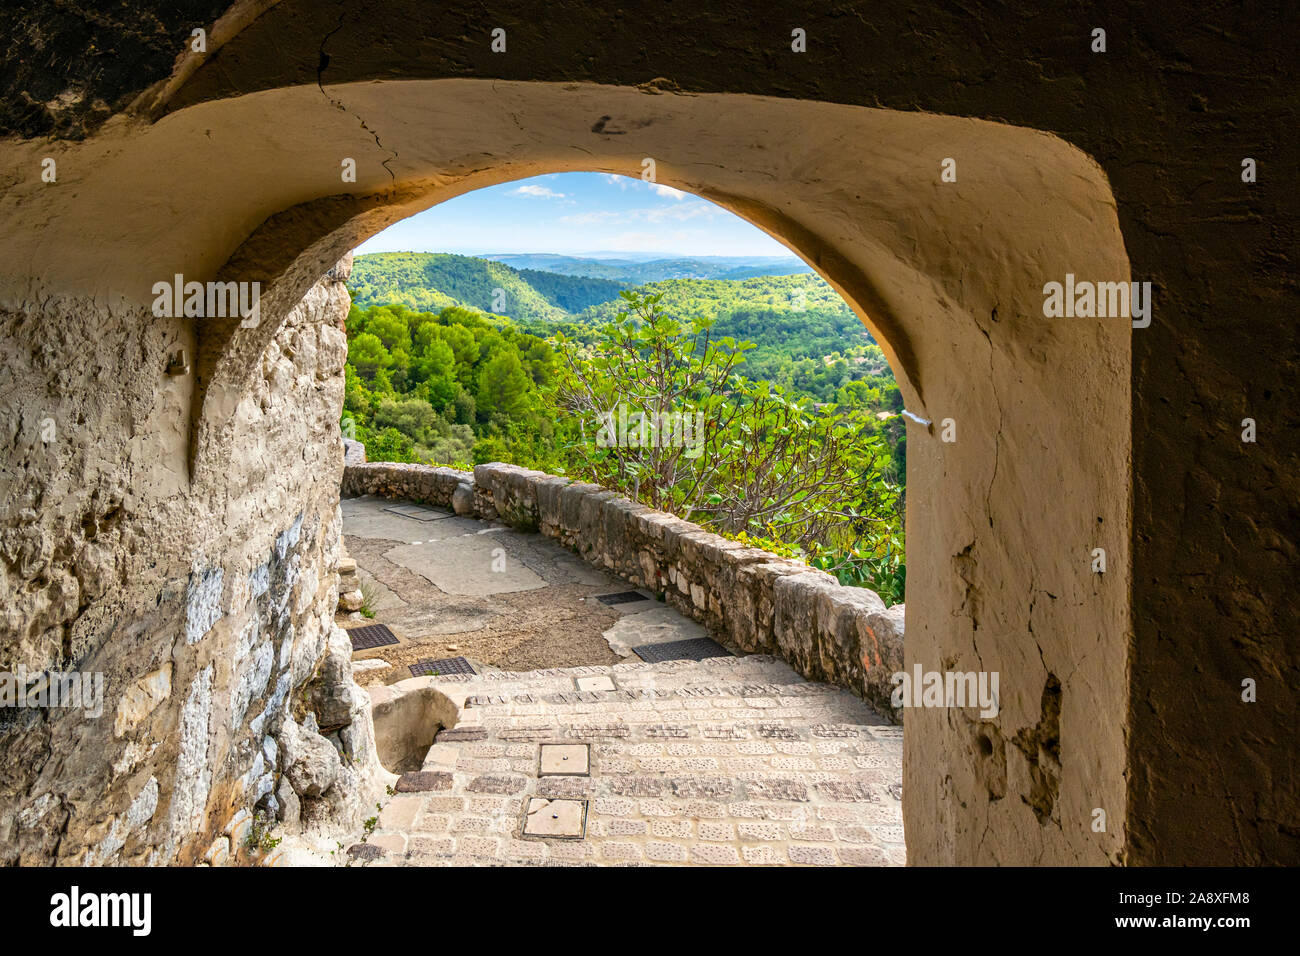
{"x":730,"y":761}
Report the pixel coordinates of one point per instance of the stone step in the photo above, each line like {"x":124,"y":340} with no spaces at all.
{"x":534,"y":715}
{"x":632,"y":671}
{"x":736,"y":682}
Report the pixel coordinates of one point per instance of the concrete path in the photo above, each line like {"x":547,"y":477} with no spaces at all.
{"x":460,"y":587}
{"x":729,"y":761}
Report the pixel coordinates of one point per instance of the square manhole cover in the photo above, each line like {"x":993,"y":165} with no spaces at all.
{"x":555,"y":819}
{"x":371,"y":635}
{"x":441,"y":667}
{"x":595,"y":682}
{"x":696,"y":649}
{"x":622,"y":597}
{"x":418,"y":512}
{"x":563,"y":760}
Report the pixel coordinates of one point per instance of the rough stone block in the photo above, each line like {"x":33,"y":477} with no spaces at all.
{"x":418,"y":781}
{"x":462,"y":499}
{"x":795,"y":599}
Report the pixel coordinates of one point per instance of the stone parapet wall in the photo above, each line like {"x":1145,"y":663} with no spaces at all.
{"x":755,"y":600}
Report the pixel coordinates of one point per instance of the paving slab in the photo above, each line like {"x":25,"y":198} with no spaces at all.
{"x":475,"y":566}
{"x":657,"y":625}
{"x":370,"y":517}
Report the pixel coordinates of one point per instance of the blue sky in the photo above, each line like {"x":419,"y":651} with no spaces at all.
{"x":575,"y":214}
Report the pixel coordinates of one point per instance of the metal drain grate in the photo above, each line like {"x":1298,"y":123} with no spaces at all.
{"x":622,"y":597}
{"x":441,"y":667}
{"x":695,"y":649}
{"x":371,"y":635}
{"x":419,"y":512}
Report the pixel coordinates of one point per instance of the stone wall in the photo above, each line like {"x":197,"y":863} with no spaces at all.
{"x":755,"y":600}
{"x":207,"y":609}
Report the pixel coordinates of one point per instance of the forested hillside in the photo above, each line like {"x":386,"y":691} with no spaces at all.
{"x":712,"y":297}
{"x":434,"y":281}
{"x":572,"y":293}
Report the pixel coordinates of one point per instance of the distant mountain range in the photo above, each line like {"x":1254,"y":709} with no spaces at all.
{"x":636,"y":270}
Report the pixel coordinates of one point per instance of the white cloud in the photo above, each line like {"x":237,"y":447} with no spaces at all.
{"x":594,"y":218}
{"x":622,"y":182}
{"x":680,"y":213}
{"x":541,"y":192}
{"x":653,"y":214}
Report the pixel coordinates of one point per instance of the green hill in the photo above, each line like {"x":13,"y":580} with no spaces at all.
{"x":430,"y":282}
{"x":573,"y":293}
{"x":715,"y":298}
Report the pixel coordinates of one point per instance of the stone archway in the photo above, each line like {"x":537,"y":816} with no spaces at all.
{"x":948,"y":276}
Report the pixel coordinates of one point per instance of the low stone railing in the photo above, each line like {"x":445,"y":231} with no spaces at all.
{"x":756,"y":600}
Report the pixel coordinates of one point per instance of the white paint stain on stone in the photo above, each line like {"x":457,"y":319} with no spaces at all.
{"x":193,"y":771}
{"x":251,"y":682}
{"x":288,"y":538}
{"x":259,"y":582}
{"x":202,"y":603}
{"x":274,"y":705}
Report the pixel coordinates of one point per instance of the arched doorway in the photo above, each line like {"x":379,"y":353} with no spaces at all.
{"x":948,"y":276}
